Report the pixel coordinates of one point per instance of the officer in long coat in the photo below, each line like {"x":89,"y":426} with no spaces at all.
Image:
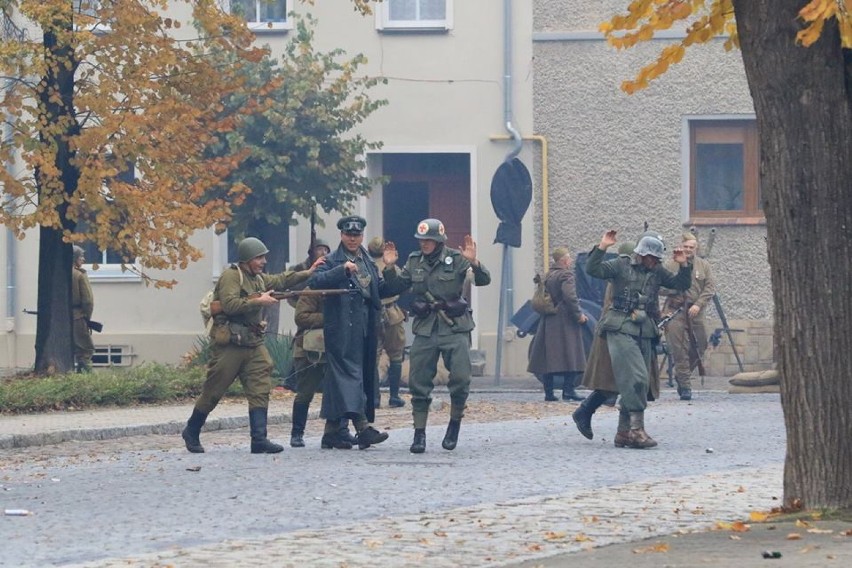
{"x":442,"y":322}
{"x":237,"y":346}
{"x":350,"y":325}
{"x":629,"y":324}
{"x":557,"y":347}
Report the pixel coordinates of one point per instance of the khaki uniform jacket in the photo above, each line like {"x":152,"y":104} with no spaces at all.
{"x":233,"y":292}
{"x":444,"y":280}
{"x":700,"y":292}
{"x":392,"y":314}
{"x":308,"y":316}
{"x":82,"y":299}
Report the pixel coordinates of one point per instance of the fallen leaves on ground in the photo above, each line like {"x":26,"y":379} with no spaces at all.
{"x":794,"y":536}
{"x":658,"y":547}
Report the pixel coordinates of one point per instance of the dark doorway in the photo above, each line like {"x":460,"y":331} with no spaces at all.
{"x":406,"y":204}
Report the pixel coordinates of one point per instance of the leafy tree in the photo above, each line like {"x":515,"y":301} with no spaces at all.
{"x":300,"y":152}
{"x":798,"y":62}
{"x":93,"y":88}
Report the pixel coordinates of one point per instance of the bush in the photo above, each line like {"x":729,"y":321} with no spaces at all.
{"x":146,"y":383}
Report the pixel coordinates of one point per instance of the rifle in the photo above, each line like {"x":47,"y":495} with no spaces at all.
{"x":216,"y":305}
{"x":91,"y":324}
{"x":438,"y":309}
{"x":662,"y":323}
{"x":717,"y":303}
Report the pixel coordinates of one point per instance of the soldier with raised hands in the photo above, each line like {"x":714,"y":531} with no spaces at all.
{"x":442,"y":321}
{"x":629,"y":324}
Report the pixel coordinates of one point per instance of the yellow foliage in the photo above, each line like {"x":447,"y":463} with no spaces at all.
{"x":704,"y":20}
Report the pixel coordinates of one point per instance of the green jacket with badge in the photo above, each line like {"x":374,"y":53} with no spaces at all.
{"x":439,"y":281}
{"x":242,"y":319}
{"x":635,"y":290}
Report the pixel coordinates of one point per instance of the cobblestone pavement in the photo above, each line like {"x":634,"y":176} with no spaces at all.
{"x":512,"y":491}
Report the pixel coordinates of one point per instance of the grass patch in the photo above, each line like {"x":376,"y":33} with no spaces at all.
{"x":145,"y":384}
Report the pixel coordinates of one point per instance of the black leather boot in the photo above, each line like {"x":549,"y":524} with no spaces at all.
{"x":583,"y":415}
{"x":418,"y":446}
{"x":547,"y":381}
{"x":192,"y":431}
{"x":344,"y":434}
{"x":451,"y":437}
{"x":300,"y":420}
{"x":369,"y":436}
{"x":394,"y":378}
{"x":260,"y":444}
{"x":569,"y":383}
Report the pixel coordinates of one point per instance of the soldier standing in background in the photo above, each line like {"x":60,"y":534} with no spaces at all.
{"x":629,"y":324}
{"x":82,"y":306}
{"x":686,"y":334}
{"x":557,"y":346}
{"x":391,"y":330}
{"x":309,"y":366}
{"x":442,"y":322}
{"x":237,"y":346}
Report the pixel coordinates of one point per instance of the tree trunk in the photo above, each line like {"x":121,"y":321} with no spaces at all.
{"x":803,"y":102}
{"x":54,"y":343}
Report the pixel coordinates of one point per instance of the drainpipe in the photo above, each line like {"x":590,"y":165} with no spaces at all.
{"x":11,"y":250}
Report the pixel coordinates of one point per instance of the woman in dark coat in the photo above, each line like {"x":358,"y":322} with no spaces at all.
{"x":557,"y":347}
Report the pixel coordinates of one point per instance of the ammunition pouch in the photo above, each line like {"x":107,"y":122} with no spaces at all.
{"x":243,"y":335}
{"x":421,"y":308}
{"x":456,"y":308}
{"x":622,"y":304}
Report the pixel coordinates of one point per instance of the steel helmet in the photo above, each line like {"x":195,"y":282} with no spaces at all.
{"x":650,"y":246}
{"x":431,"y":229}
{"x":78,"y":252}
{"x":376,"y":246}
{"x":250,"y":248}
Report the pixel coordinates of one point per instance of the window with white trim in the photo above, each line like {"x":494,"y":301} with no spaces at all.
{"x":263,"y":15}
{"x":723,"y":165}
{"x":415,"y":15}
{"x":109,"y":261}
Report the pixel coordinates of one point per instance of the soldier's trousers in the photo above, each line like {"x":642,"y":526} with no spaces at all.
{"x":684,"y":356}
{"x":392,"y":341}
{"x":84,"y":347}
{"x":309,"y":375}
{"x":252,"y":365}
{"x":631,"y":357}
{"x":455,"y":351}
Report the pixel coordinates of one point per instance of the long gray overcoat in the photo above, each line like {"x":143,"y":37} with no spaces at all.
{"x":557,"y":346}
{"x":350,"y":335}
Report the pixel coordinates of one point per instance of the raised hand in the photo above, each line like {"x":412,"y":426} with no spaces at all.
{"x":468,"y":249}
{"x":607,"y":240}
{"x":317,"y":262}
{"x":390,"y":254}
{"x":679,"y":255}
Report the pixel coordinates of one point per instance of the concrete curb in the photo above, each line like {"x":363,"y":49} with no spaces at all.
{"x":162,"y":428}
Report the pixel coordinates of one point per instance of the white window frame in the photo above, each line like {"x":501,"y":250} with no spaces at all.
{"x":266,"y":27}
{"x":123,"y":352}
{"x":385,"y":23}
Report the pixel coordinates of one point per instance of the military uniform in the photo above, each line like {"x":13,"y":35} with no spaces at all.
{"x":629,"y":325}
{"x":684,"y":354}
{"x":82,"y":306}
{"x":309,"y":366}
{"x":237,"y":347}
{"x":435,"y":278}
{"x":391,"y":330}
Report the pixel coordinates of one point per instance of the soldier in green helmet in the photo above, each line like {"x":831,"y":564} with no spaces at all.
{"x":442,"y":321}
{"x":629,"y":325}
{"x":237,"y":343}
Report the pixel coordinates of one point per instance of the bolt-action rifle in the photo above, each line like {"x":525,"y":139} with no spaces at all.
{"x":717,"y":302}
{"x":91,"y":324}
{"x":216,"y":305}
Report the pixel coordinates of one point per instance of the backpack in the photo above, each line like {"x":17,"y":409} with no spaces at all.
{"x":206,"y":304}
{"x":541,"y":300}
